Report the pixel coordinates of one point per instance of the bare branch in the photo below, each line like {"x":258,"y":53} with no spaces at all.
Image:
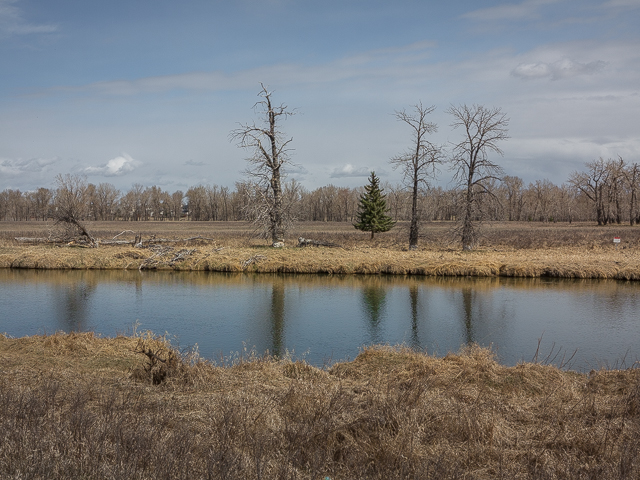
{"x":483,"y":129}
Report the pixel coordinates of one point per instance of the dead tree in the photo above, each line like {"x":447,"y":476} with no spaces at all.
{"x":266,"y":166}
{"x":71,"y":208}
{"x":419,"y":162}
{"x":483,"y":129}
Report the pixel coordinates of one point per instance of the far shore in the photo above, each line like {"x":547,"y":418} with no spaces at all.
{"x":520,"y":250}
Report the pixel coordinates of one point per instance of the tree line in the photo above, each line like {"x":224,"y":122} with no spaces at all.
{"x":606,"y":191}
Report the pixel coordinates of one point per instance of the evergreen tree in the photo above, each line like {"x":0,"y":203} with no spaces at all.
{"x":372,"y":209}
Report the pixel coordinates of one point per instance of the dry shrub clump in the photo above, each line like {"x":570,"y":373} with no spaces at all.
{"x":79,"y":406}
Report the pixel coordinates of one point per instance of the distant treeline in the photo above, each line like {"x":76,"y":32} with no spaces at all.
{"x":605,"y":191}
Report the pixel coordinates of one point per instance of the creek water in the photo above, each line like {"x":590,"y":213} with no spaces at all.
{"x":580,"y":324}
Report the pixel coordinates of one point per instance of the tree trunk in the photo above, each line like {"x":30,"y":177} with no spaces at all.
{"x":467,"y":226}
{"x":413,"y":229}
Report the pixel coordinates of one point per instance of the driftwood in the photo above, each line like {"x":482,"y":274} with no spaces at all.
{"x":252,"y":260}
{"x":165,"y":256}
{"x":307,"y":242}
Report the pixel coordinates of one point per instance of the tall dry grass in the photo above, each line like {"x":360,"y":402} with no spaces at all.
{"x":78,"y":406}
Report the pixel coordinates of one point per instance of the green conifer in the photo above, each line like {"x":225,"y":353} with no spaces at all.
{"x":372,"y":209}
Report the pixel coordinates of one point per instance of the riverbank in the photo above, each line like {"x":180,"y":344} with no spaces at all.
{"x":561,"y":262}
{"x":133,"y":407}
{"x":513,"y":249}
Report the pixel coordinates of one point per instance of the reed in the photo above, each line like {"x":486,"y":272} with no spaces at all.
{"x":81,"y":406}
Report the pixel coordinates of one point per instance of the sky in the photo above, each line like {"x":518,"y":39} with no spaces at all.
{"x":148,"y":91}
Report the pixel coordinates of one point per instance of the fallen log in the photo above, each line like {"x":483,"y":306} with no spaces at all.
{"x":33,"y":240}
{"x":307,"y":242}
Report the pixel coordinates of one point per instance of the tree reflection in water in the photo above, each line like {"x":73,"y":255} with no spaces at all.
{"x":71,"y":304}
{"x":413,"y":298}
{"x":374,"y":300}
{"x":277,"y":316}
{"x":467,"y":307}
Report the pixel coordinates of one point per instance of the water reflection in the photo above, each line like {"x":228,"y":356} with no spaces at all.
{"x":277,"y":317}
{"x":467,"y":313}
{"x":71,"y":304}
{"x":332,"y":316}
{"x":413,"y":300}
{"x":373,"y":300}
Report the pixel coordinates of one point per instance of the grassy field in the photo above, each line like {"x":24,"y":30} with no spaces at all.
{"x":78,"y":406}
{"x":507,"y":249}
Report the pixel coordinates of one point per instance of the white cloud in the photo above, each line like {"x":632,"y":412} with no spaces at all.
{"x":564,"y":68}
{"x":349,"y":170}
{"x":115,"y":167}
{"x":13,"y":23}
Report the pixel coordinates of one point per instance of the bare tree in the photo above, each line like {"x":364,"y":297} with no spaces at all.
{"x":270,"y":154}
{"x":419,"y":162}
{"x":71,"y":207}
{"x":483,"y":129}
{"x":592,"y":183}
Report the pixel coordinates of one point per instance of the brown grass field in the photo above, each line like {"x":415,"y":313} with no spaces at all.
{"x":132,"y":407}
{"x":516,"y":249}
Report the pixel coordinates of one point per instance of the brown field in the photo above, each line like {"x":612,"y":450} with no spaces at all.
{"x":509,"y":249}
{"x":78,"y":406}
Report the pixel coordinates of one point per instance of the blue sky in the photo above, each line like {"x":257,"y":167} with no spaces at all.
{"x":148,"y":91}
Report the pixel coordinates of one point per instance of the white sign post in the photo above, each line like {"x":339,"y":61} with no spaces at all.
{"x":616,"y":241}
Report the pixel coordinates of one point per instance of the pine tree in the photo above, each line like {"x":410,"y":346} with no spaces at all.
{"x":372,"y":209}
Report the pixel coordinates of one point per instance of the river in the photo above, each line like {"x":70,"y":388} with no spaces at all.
{"x":579,"y":324}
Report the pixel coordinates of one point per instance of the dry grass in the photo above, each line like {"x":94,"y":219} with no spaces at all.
{"x":509,"y":249}
{"x":78,"y":406}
